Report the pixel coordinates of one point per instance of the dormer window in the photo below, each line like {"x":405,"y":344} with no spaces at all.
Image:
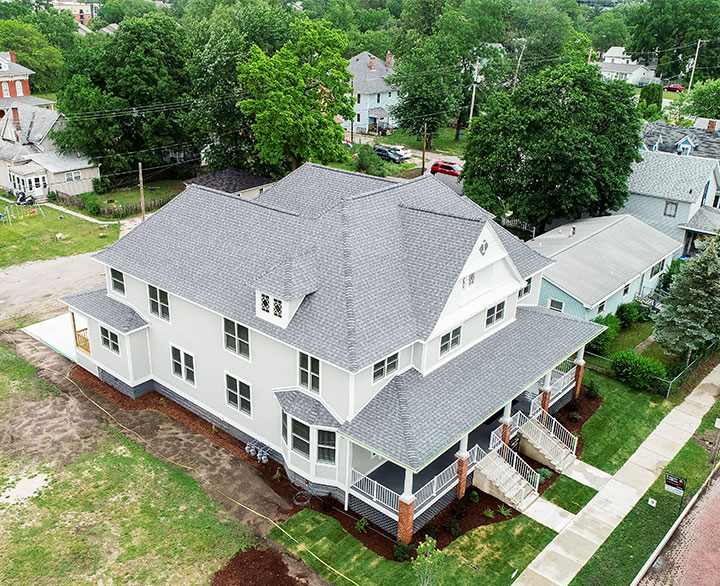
{"x":449,"y":341}
{"x":495,"y":314}
{"x":525,"y":290}
{"x":277,"y":307}
{"x":265,"y":303}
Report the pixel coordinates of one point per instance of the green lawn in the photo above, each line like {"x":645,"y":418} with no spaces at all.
{"x":497,"y":551}
{"x":654,"y":350}
{"x":17,"y":376}
{"x":666,"y":95}
{"x":444,"y":142}
{"x":569,"y":494}
{"x":622,"y":555}
{"x":33,"y":237}
{"x":153,"y":190}
{"x":630,"y":337}
{"x":392,"y":169}
{"x":48,"y":96}
{"x":625,"y":418}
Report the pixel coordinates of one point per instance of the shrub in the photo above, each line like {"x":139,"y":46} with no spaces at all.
{"x":574,"y":416}
{"x":452,"y":526}
{"x":638,"y":371}
{"x":601,"y":344}
{"x":628,"y":313}
{"x":474,"y":496}
{"x":402,"y":552}
{"x":52,"y":196}
{"x":504,"y":511}
{"x":591,"y":390}
{"x":652,"y":94}
{"x":489,"y":513}
{"x":100,"y":186}
{"x":327,"y":503}
{"x":431,"y":531}
{"x":368,"y":162}
{"x":92,"y":205}
{"x":361,"y":525}
{"x":645,"y":313}
{"x":459,"y":510}
{"x":545,"y":475}
{"x":667,"y":277}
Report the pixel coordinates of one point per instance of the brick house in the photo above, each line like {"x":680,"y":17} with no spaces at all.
{"x":379,"y":339}
{"x":15,"y":84}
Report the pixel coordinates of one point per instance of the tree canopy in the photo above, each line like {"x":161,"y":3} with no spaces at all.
{"x":32,"y":50}
{"x":704,"y":100}
{"x":560,"y":146}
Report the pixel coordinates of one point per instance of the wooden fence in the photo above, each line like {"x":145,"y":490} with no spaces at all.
{"x":119,"y":211}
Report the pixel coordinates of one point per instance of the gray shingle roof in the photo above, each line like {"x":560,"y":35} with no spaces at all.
{"x":666,"y":136}
{"x":706,"y":219}
{"x":604,"y":255}
{"x":35,"y":122}
{"x":414,"y":418}
{"x":230,"y":180}
{"x":24,"y":100}
{"x":387,"y":255}
{"x":674,"y":177}
{"x":305,"y":408}
{"x":366,"y":80}
{"x":13,"y":68}
{"x":97,"y":304}
{"x":526,"y":260}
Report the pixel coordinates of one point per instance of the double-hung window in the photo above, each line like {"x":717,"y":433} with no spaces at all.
{"x":309,"y":373}
{"x":525,"y":290}
{"x":118,"y":281}
{"x":301,"y":438}
{"x":670,"y":209}
{"x":284,"y":426}
{"x":449,"y":341}
{"x":495,"y":314}
{"x":657,"y":268}
{"x":109,"y":340}
{"x":326,"y":447}
{"x":237,"y":393}
{"x":237,"y":338}
{"x":159,"y":303}
{"x":385,"y":367}
{"x":183,"y":365}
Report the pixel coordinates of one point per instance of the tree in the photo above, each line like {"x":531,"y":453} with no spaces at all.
{"x":560,"y":146}
{"x":704,"y":99}
{"x":118,"y":10}
{"x":295,"y":95}
{"x":33,"y":51}
{"x":59,"y":28}
{"x":689,"y":319}
{"x":652,"y":94}
{"x":608,"y":30}
{"x":430,"y":565}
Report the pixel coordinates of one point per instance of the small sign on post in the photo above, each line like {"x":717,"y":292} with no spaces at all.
{"x":717,"y":423}
{"x":675,"y":484}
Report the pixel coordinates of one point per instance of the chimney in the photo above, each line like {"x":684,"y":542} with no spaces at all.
{"x":16,"y":117}
{"x":12,"y":56}
{"x":388,"y":60}
{"x":372,"y":62}
{"x":711,"y":125}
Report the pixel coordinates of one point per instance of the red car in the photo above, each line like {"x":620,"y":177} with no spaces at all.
{"x":446,"y":168}
{"x":674,"y":87}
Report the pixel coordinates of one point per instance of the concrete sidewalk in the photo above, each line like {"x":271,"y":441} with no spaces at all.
{"x":581,"y":537}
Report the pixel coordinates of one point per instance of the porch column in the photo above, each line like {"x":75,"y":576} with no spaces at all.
{"x":546,"y":391}
{"x":580,"y":363}
{"x":463,"y":458}
{"x":406,"y":510}
{"x":506,"y":422}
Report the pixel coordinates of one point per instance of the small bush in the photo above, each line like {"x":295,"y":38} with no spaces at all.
{"x":628,"y":313}
{"x":591,"y":390}
{"x":366,"y":161}
{"x":92,"y":205}
{"x":645,"y":314}
{"x":504,"y":511}
{"x":52,"y":196}
{"x":489,"y":513}
{"x":327,"y":503}
{"x":545,"y":475}
{"x":652,"y":94}
{"x":100,"y":186}
{"x":575,"y":416}
{"x":452,"y":526}
{"x":474,"y":497}
{"x":432,"y":531}
{"x":638,"y":371}
{"x":601,"y":344}
{"x":402,"y":552}
{"x":459,"y":510}
{"x":361,"y":525}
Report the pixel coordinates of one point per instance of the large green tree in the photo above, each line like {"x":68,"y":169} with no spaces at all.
{"x":704,"y":100}
{"x":560,"y":146}
{"x":115,"y":11}
{"x":608,"y":30}
{"x":295,"y":95}
{"x":32,"y":50}
{"x":689,"y":319}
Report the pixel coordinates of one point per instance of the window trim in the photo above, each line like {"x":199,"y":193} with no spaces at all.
{"x":667,"y":205}
{"x":284,"y":427}
{"x":240,"y":396}
{"x":294,"y":436}
{"x":320,"y":446}
{"x":114,"y":280}
{"x":150,"y":300}
{"x":454,"y":339}
{"x":525,"y":291}
{"x":381,"y":369}
{"x":183,"y":365}
{"x":310,"y":374}
{"x":657,"y":269}
{"x":225,"y":334}
{"x":108,"y":335}
{"x":626,"y":290}
{"x":492,"y":319}
{"x":551,"y":308}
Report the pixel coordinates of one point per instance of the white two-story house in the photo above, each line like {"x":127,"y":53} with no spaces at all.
{"x":380,"y":340}
{"x":373,"y":96}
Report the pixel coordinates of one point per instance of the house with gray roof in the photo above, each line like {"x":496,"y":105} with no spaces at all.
{"x":233,"y":181}
{"x":381,"y":340}
{"x":667,"y":191}
{"x":373,"y":95}
{"x":699,"y":141}
{"x":601,"y":263}
{"x":15,"y":84}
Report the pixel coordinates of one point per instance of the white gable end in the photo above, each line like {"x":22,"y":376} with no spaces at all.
{"x":487,"y":277}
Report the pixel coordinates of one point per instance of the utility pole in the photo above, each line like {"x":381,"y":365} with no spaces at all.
{"x":590,"y":55}
{"x":142,"y":191}
{"x":517,"y":67}
{"x":472,"y":100}
{"x":697,"y":51}
{"x":424,"y":145}
{"x":352,"y":123}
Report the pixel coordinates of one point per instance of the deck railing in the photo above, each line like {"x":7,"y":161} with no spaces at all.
{"x":436,"y":486}
{"x":82,"y":341}
{"x":375,"y":491}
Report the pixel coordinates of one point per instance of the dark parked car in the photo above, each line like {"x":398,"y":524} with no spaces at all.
{"x":387,"y":153}
{"x":446,"y":168}
{"x":674,"y":87}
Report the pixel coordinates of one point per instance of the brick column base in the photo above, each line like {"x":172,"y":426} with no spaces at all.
{"x":463,"y":463}
{"x":505,"y":431}
{"x":545,"y":402}
{"x":406,"y":516}
{"x":578,"y":377}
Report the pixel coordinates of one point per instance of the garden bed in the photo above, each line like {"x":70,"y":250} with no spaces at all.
{"x":255,"y":567}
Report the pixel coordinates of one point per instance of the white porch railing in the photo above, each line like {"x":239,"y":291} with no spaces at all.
{"x":559,"y":385}
{"x":557,"y":430}
{"x":375,"y":491}
{"x":511,"y":457}
{"x":436,"y":486}
{"x":555,"y":451}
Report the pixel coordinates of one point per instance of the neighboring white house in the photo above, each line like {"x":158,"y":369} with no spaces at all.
{"x":367,"y":334}
{"x":29,"y":161}
{"x":601,"y":263}
{"x":668,"y":191}
{"x":373,"y":96}
{"x":617,"y":65}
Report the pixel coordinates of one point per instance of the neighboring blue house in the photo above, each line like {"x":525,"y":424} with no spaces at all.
{"x":601,"y":263}
{"x":373,"y":96}
{"x":701,"y":140}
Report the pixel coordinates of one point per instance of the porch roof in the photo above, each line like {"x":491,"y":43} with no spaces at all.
{"x":306,"y":408}
{"x":415,"y":418}
{"x":706,"y":219}
{"x":97,"y":304}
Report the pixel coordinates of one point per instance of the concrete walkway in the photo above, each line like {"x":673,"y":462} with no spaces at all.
{"x":78,"y":214}
{"x":549,"y":514}
{"x":581,"y":537}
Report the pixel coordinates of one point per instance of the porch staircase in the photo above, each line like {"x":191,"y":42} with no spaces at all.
{"x":498,"y":477}
{"x":544,"y":439}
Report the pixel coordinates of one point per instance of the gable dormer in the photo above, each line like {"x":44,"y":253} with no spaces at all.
{"x":685,"y":146}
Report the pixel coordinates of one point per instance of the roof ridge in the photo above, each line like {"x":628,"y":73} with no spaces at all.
{"x":442,"y":214}
{"x":576,"y":242}
{"x":350,"y":317}
{"x":347,"y":172}
{"x":408,"y":436}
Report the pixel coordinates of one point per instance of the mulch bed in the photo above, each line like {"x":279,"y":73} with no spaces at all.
{"x":585,"y":408}
{"x":255,"y":567}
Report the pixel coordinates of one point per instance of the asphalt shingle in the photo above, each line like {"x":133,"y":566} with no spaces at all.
{"x":306,"y":408}
{"x":97,"y":304}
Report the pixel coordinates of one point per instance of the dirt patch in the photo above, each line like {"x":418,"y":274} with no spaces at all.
{"x":255,"y":567}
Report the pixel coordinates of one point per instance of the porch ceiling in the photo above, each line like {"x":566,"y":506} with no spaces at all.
{"x":415,"y":418}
